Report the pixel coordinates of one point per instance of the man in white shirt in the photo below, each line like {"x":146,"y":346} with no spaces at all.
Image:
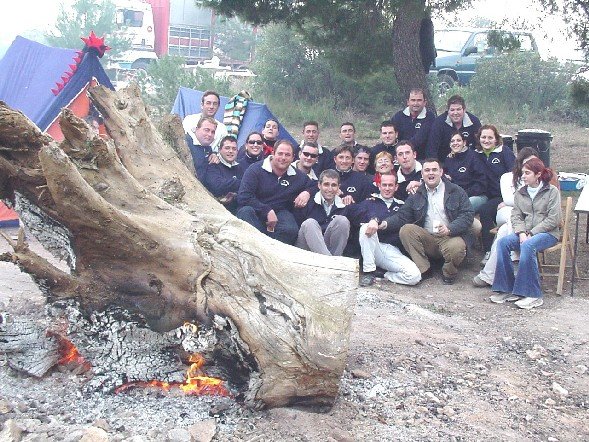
{"x":209,"y":107}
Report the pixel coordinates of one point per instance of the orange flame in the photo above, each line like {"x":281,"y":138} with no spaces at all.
{"x":196,"y":382}
{"x":68,"y":353}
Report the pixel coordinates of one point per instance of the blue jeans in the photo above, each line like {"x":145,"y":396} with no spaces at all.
{"x":477,"y":201}
{"x":527,"y":281}
{"x":286,"y":229}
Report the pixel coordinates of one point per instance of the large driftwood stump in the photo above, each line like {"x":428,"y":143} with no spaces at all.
{"x":148,"y":237}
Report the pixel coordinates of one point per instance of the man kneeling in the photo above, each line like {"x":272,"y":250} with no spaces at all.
{"x":382,"y":251}
{"x":324,"y":229}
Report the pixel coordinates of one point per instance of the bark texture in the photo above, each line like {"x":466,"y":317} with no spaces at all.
{"x":148,"y":237}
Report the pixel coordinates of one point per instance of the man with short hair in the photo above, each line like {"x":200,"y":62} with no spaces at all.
{"x":414,"y":122}
{"x":388,"y":142}
{"x":210,"y":102}
{"x":270,"y":189}
{"x":325,"y":158}
{"x":454,"y":119}
{"x":307,"y":158}
{"x":434,"y":222}
{"x":224,"y":178}
{"x":202,"y":153}
{"x":347,"y":134}
{"x":409,"y":171}
{"x":355,"y":186}
{"x":324,"y":228}
{"x":381,"y":248}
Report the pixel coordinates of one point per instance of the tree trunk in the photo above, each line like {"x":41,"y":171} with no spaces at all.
{"x":408,"y":66}
{"x":148,"y":237}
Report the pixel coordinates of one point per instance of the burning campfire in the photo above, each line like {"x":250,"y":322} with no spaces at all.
{"x":196,"y":382}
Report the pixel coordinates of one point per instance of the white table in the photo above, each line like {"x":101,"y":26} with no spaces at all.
{"x":581,"y":207}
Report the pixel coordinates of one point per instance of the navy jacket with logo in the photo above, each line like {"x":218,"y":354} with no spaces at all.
{"x":500,"y":161}
{"x":468,"y":171}
{"x":375,"y":207}
{"x":403,"y":180}
{"x":244,"y":158}
{"x":438,"y":145}
{"x":222,"y":178}
{"x":356,"y":184}
{"x":264,"y":191}
{"x":415,"y":130}
{"x":314,"y":209}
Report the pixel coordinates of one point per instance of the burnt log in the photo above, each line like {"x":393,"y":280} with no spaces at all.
{"x":149,"y":238}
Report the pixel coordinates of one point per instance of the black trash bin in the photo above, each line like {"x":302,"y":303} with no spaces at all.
{"x":507,"y":141}
{"x":538,"y":139}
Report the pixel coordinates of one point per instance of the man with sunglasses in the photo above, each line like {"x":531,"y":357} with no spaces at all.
{"x":311,"y":134}
{"x":307,"y":159}
{"x":210,"y":102}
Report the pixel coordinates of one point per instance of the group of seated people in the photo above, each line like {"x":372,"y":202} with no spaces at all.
{"x":410,"y":199}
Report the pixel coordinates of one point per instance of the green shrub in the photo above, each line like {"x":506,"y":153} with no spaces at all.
{"x":518,"y":87}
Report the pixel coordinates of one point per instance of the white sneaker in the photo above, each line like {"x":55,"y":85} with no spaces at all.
{"x":477,"y":281}
{"x":485,"y":258}
{"x":500,"y":298}
{"x":529,"y":303}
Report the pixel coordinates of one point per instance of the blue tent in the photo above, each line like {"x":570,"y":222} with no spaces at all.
{"x":30,"y":71}
{"x":188,"y":102}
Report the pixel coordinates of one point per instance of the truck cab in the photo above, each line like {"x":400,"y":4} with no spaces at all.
{"x":134,"y":20}
{"x":460,"y":49}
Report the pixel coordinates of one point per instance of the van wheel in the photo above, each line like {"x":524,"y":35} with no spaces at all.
{"x":445,"y":83}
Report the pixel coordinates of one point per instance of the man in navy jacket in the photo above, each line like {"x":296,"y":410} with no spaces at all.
{"x":454,"y":119}
{"x":224,"y":178}
{"x":270,"y":189}
{"x":381,"y":248}
{"x":324,"y":228}
{"x":414,"y":122}
{"x":202,"y":153}
{"x":355,"y":186}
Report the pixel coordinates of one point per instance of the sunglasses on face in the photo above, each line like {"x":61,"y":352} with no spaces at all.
{"x":310,"y":155}
{"x":258,"y":142}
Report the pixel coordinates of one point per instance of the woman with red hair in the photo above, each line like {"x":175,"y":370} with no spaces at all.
{"x":535,"y":219}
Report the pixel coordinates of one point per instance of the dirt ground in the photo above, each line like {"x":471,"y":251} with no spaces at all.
{"x":430,"y":362}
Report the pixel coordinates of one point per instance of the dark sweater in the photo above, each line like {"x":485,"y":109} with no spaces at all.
{"x":415,"y":130}
{"x":438,"y":145}
{"x":264,"y":191}
{"x":375,"y":207}
{"x":200,"y":158}
{"x":314,"y":209}
{"x":468,"y":171}
{"x":356,"y":184}
{"x":500,"y":161}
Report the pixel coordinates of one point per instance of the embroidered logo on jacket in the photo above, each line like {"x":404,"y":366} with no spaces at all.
{"x":495,"y":161}
{"x":351,"y":189}
{"x":284,"y":183}
{"x":462,"y":169}
{"x":417,"y":125}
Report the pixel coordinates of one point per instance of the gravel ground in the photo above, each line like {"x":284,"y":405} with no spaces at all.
{"x":430,"y":362}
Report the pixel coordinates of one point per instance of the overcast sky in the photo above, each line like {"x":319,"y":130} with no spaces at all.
{"x":33,"y":17}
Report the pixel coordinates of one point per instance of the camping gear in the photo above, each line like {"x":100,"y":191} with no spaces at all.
{"x":40,"y":80}
{"x":8,"y":217}
{"x":572,"y":181}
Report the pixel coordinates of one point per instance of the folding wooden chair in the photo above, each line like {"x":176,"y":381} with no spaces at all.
{"x":564,"y":245}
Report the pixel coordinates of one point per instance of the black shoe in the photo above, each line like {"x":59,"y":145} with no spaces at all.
{"x":448,"y":280}
{"x":427,"y":274}
{"x":367,"y":279}
{"x":379,"y":273}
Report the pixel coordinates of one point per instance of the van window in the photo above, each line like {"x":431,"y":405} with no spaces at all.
{"x":450,"y":40}
{"x":133,"y":19}
{"x":526,"y":42}
{"x":480,"y":42}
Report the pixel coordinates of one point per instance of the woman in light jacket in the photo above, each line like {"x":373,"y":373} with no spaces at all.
{"x":535,"y":219}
